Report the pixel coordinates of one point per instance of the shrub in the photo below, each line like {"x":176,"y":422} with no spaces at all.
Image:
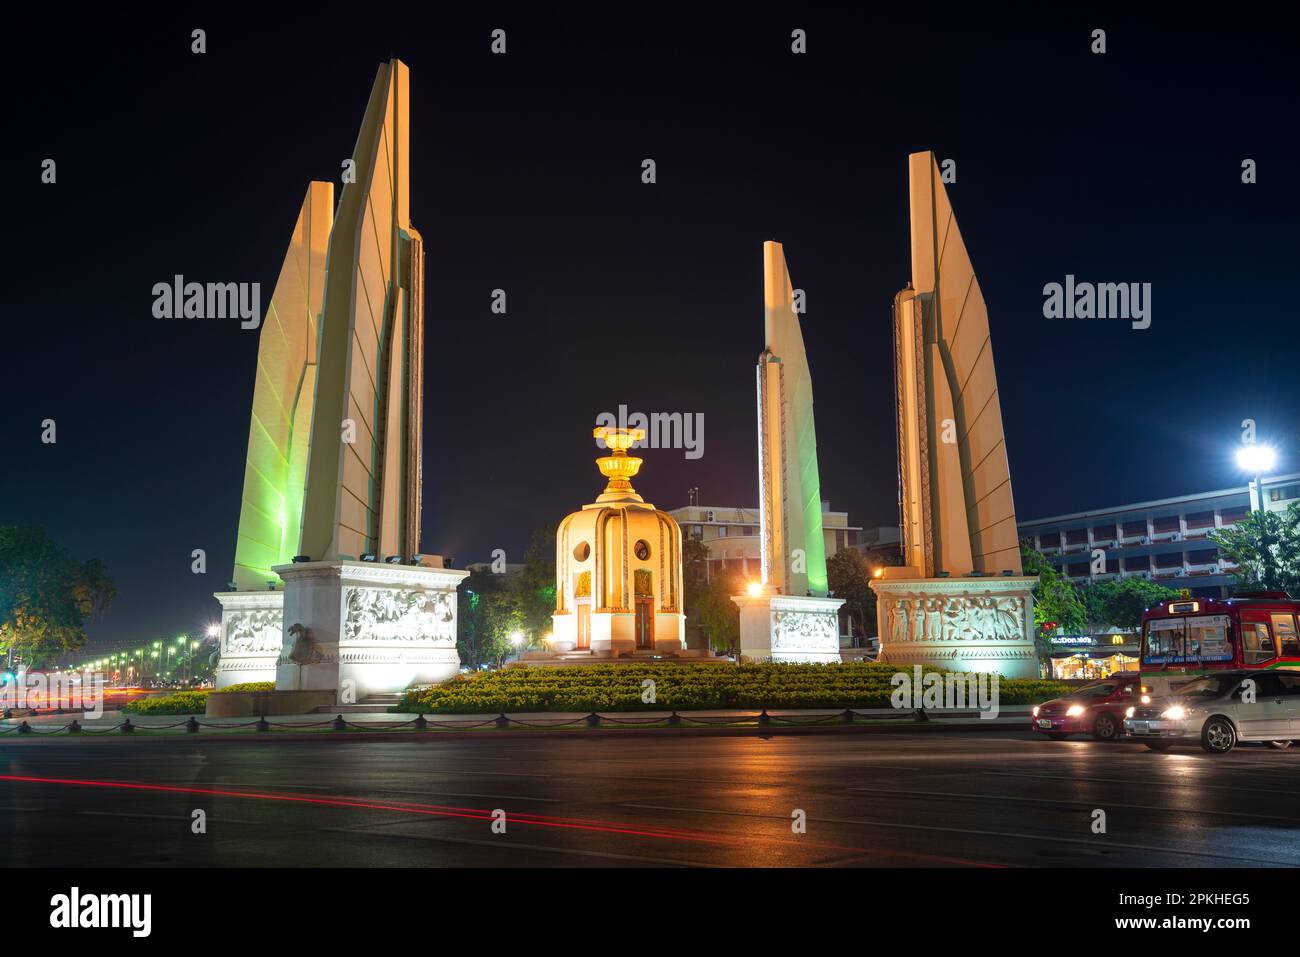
{"x":684,"y":687}
{"x":248,"y":686}
{"x":179,"y":702}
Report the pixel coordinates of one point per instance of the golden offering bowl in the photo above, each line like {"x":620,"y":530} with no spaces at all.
{"x":619,"y":441}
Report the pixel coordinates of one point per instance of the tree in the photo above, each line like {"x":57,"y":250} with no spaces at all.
{"x":718,"y":616}
{"x":1056,"y":601}
{"x":535,"y":585}
{"x":46,"y":596}
{"x":849,"y":573}
{"x":1266,"y":548}
{"x":489,"y":612}
{"x":711,"y":615}
{"x":1120,"y":602}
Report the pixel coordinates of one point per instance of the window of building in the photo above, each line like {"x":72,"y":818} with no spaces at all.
{"x":1200,"y":520}
{"x":1203,"y":556}
{"x":1076,"y":536}
{"x":1230,"y":516}
{"x":1283,"y":493}
{"x":1168,"y":523}
{"x":1134,"y":529}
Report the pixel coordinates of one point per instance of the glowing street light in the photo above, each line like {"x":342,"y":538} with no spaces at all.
{"x":1256,"y":460}
{"x":755,"y":589}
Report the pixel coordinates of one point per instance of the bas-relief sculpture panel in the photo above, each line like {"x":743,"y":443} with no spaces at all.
{"x":956,"y":618}
{"x":255,"y":632}
{"x":387,"y":614}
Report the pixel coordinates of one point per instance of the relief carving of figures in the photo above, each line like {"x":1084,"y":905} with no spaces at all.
{"x":898,"y":619}
{"x":801,"y":629}
{"x":956,"y":618}
{"x":387,"y":614}
{"x":253,"y":632}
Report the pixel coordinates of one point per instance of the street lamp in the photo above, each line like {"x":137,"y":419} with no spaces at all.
{"x":1256,"y":460}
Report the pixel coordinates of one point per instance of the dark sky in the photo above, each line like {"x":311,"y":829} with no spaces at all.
{"x":1124,"y":167}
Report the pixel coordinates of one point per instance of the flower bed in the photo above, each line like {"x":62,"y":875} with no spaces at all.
{"x":684,"y":687}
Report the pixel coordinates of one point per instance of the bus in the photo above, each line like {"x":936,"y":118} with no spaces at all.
{"x":1186,"y":637}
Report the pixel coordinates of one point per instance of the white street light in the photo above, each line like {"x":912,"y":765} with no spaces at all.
{"x":1256,"y":458}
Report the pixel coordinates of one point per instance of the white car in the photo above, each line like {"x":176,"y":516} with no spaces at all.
{"x":1221,"y":709}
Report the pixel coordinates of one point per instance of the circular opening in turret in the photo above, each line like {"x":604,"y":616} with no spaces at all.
{"x":582,"y":552}
{"x":642,"y":550}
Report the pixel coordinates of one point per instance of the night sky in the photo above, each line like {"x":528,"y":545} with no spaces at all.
{"x":1122,"y":167}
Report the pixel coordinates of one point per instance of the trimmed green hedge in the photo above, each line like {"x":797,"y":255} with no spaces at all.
{"x":248,"y":686}
{"x":685,"y":687}
{"x":178,"y":702}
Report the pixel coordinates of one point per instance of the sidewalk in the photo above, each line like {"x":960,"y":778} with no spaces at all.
{"x":1011,"y":718}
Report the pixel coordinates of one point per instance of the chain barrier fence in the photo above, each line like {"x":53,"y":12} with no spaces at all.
{"x":192,"y":725}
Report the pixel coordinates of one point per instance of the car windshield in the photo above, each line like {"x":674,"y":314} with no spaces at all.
{"x":1099,"y":689}
{"x":1209,"y":686}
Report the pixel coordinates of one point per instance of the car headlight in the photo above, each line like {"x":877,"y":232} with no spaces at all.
{"x":1130,"y":712}
{"x":1145,"y":699}
{"x":1175,"y":713}
{"x":1075,"y":711}
{"x":1035,"y":711}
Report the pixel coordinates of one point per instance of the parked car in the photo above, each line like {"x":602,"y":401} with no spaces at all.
{"x":1096,"y":709}
{"x":1221,"y":709}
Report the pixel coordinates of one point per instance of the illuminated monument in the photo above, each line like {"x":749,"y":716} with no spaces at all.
{"x":959,"y":601}
{"x":331,"y":502}
{"x":618,"y":569}
{"x":787,"y":616}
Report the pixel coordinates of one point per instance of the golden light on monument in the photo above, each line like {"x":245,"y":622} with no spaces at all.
{"x":618,"y":567}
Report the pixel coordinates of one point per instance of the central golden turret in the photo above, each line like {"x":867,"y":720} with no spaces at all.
{"x":619,"y":467}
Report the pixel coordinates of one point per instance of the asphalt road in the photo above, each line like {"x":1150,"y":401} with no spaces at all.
{"x":870,"y":800}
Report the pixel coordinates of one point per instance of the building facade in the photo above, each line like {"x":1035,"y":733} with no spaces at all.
{"x":1165,"y":540}
{"x":735,"y":545}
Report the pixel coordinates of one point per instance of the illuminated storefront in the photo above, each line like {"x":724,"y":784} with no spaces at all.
{"x":1089,"y":657}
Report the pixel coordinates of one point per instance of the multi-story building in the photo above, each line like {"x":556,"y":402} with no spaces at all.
{"x":732,"y":535}
{"x":1163,"y":540}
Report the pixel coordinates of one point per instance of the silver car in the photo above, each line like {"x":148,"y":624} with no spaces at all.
{"x":1221,"y":709}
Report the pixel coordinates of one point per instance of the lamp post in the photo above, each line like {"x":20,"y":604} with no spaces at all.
{"x":1256,"y":460}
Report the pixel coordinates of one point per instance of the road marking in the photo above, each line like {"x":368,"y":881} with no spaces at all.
{"x":163,"y":817}
{"x":500,"y":797}
{"x":1099,"y":845}
{"x":1157,"y":782}
{"x":502,"y":845}
{"x":1109,"y":803}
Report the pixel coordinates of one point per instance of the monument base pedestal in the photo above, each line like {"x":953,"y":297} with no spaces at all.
{"x":349,"y":627}
{"x":959,"y":624}
{"x":789,"y":628}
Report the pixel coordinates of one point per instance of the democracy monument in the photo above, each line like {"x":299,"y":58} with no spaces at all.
{"x":787,"y":616}
{"x":331,"y":502}
{"x":959,"y":601}
{"x":331,"y":497}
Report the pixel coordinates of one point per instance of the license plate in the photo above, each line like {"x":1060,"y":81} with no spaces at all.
{"x":1044,"y":723}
